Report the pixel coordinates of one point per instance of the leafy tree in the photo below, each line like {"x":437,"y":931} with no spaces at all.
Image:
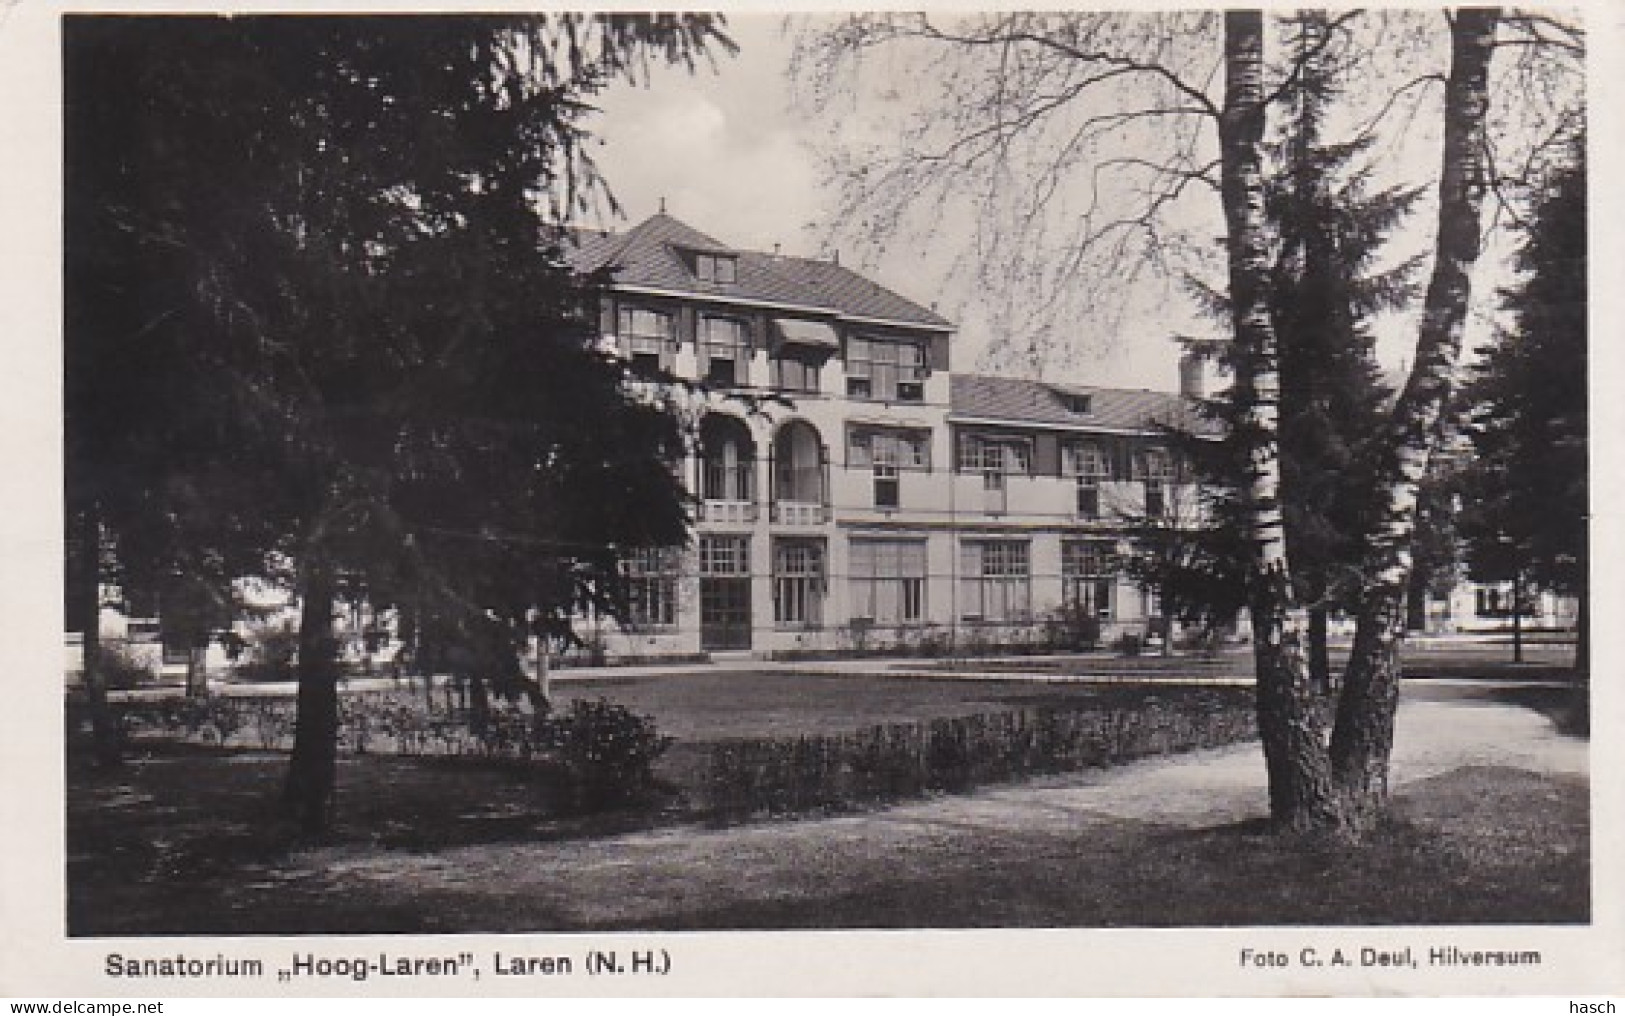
{"x":331,"y":242}
{"x":1527,"y":509}
{"x":1193,"y":555}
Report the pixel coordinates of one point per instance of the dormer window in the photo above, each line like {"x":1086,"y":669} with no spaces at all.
{"x":1081,"y":405}
{"x":722,"y":268}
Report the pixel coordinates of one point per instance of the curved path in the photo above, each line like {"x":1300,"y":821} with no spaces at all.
{"x":673,"y":878}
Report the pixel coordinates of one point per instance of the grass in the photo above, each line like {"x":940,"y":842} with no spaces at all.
{"x":1489,"y":658}
{"x":732,"y":704}
{"x":186,"y":840}
{"x":187,"y":853}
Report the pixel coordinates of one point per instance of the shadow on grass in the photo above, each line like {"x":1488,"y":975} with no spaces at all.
{"x":1568,"y":706}
{"x":1477,"y":845}
{"x":1450,"y":855}
{"x":187,"y":840}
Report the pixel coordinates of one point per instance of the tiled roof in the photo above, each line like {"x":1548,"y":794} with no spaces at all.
{"x":650,"y":255}
{"x":1019,"y":401}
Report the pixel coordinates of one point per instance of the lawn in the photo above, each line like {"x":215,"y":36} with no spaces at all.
{"x":186,"y":846}
{"x":186,"y":838}
{"x":1488,"y":658}
{"x":708,"y":706}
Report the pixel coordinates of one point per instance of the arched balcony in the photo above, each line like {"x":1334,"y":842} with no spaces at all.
{"x":727,"y":470}
{"x":800,"y":469}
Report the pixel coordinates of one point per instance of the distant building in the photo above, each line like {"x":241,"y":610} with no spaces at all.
{"x":889,"y":498}
{"x":879,"y":498}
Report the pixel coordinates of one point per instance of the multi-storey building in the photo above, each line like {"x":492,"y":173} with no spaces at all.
{"x":879,"y":495}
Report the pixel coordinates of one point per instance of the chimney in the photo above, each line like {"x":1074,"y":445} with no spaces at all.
{"x":1193,"y":376}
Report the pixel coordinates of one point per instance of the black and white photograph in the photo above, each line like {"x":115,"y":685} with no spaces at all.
{"x":577,"y":496}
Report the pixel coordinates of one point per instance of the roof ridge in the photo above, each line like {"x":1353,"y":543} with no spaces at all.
{"x":1063,"y":385}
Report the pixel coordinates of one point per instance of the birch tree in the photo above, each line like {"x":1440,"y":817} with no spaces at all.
{"x":1152,"y":112}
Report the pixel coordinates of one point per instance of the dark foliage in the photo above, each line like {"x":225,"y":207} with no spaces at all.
{"x":1525,"y":494}
{"x":320,"y":326}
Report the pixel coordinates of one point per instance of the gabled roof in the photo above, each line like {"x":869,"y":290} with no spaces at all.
{"x":984,"y":397}
{"x":653,"y":255}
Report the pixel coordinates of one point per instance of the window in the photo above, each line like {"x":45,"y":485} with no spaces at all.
{"x":995,"y":580}
{"x":729,"y":475}
{"x":798,"y":464}
{"x":995,"y":455}
{"x":887,"y":580}
{"x":888,"y":451}
{"x":651,"y":579}
{"x":1154,"y":464}
{"x":888,"y":487}
{"x":1076,"y":403}
{"x":1089,"y":464}
{"x":905,"y":449}
{"x":1086,"y":576}
{"x":796,"y":372}
{"x":1157,"y":469}
{"x":798,"y":583}
{"x":723,"y":268}
{"x":888,"y":371}
{"x":725,"y":556}
{"x":727,"y":460}
{"x":647,"y":337}
{"x":727,"y":355}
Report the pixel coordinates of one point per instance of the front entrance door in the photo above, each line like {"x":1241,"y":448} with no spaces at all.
{"x":724,"y":592}
{"x":724,"y":613}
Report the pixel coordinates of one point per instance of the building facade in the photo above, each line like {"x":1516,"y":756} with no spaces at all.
{"x":868,"y":494}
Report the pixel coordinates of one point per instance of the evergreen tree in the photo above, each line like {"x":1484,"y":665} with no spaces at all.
{"x":1323,"y":291}
{"x":1525,"y":506}
{"x":320,"y":317}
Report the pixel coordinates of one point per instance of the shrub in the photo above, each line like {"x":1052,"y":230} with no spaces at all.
{"x":272,"y":655}
{"x":605,"y":752}
{"x":1130,"y":644}
{"x":1071,"y":626}
{"x":780,"y":776}
{"x":857,"y":634}
{"x":122,"y":670}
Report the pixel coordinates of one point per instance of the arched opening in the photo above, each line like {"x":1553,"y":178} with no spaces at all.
{"x":727,"y":464}
{"x":800,"y":474}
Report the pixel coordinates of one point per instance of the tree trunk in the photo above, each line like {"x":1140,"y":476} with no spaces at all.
{"x":544,"y":678}
{"x":1300,"y":785}
{"x":1416,"y":599}
{"x":104,"y":729}
{"x":1320,"y":661}
{"x":479,"y":705}
{"x":197,"y":674}
{"x":308,"y":794}
{"x":1582,"y":633}
{"x":1517,"y":617}
{"x":1363,"y":737}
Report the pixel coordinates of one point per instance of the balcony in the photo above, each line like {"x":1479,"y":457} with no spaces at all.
{"x":799,"y":513}
{"x":726,"y":512}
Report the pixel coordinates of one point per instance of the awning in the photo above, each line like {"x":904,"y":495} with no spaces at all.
{"x":799,"y":332}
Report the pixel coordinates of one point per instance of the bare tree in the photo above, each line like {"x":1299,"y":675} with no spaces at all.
{"x":1088,"y":135}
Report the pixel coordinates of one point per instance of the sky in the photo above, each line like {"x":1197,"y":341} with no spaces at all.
{"x":729,"y":152}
